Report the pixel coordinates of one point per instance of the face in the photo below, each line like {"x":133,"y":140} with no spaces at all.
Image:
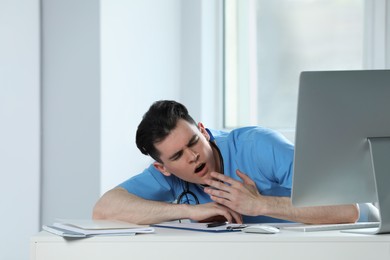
{"x":187,"y":153}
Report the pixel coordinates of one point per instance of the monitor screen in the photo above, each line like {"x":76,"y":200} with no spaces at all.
{"x":342,"y":141}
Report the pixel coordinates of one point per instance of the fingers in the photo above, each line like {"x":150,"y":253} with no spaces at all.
{"x":221,"y":187}
{"x":230,"y":215}
{"x":237,"y":218}
{"x":221,"y":178}
{"x":217,"y":218}
{"x":214,"y":210}
{"x":219,"y":196}
{"x":239,"y":196}
{"x":244,"y":177}
{"x":222,"y":182}
{"x":229,"y":180}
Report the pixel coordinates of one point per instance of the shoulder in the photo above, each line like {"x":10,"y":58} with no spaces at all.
{"x":256,"y":135}
{"x":150,"y":178}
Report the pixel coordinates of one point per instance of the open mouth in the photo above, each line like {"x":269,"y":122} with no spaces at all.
{"x":200,"y":168}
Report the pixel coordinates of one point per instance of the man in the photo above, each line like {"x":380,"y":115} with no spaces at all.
{"x":242,"y":176}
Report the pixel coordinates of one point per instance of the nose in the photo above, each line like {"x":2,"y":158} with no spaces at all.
{"x":193,"y":156}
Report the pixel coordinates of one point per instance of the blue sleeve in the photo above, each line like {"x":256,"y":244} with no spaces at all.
{"x":151,"y":185}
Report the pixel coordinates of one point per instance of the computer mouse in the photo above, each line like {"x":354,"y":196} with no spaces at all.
{"x":261,"y":229}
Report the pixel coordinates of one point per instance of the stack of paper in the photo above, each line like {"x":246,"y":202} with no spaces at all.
{"x":89,"y":227}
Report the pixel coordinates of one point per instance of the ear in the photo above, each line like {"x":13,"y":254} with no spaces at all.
{"x":160,"y":167}
{"x":202,"y":129}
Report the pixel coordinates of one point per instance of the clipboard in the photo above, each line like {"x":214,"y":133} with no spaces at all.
{"x":203,"y":227}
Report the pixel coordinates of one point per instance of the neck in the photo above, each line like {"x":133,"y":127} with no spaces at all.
{"x":217,"y":158}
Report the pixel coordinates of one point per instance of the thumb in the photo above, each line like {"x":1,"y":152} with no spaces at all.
{"x":244,"y":177}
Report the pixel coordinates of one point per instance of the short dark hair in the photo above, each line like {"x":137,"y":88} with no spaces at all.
{"x":157,"y":123}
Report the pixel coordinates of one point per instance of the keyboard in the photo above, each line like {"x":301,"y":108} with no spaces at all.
{"x":327,"y":227}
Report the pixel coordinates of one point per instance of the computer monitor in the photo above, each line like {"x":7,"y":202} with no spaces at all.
{"x":342,"y":141}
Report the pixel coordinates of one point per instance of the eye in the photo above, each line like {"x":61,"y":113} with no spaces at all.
{"x":194,"y":141}
{"x":177,"y":156}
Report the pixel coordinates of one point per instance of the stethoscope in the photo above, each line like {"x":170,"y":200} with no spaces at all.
{"x":187,"y":194}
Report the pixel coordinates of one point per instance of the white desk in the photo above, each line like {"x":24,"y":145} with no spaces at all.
{"x":186,"y":245}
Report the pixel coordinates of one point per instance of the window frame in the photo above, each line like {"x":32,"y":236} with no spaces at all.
{"x":376,"y":50}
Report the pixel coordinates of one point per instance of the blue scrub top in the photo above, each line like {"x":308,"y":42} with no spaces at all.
{"x":263,"y":154}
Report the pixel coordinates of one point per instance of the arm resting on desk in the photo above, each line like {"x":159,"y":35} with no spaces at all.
{"x":122,"y":205}
{"x":281,"y":207}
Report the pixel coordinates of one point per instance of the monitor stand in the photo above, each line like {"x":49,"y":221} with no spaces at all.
{"x":380,"y":157}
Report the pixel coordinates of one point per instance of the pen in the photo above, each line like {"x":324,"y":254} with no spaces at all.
{"x":215,"y":224}
{"x":236,"y":227}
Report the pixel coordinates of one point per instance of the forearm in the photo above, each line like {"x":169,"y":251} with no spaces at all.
{"x":245,"y":198}
{"x":282,"y":208}
{"x":120,"y":205}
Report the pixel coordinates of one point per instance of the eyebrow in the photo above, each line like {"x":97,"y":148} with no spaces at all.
{"x":193,"y":138}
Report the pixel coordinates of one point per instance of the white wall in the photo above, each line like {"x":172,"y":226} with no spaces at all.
{"x":19,"y":126}
{"x":140,"y":63}
{"x":72,"y":134}
{"x":152,"y":50}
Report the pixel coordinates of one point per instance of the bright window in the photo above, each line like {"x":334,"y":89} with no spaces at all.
{"x":268,"y":43}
